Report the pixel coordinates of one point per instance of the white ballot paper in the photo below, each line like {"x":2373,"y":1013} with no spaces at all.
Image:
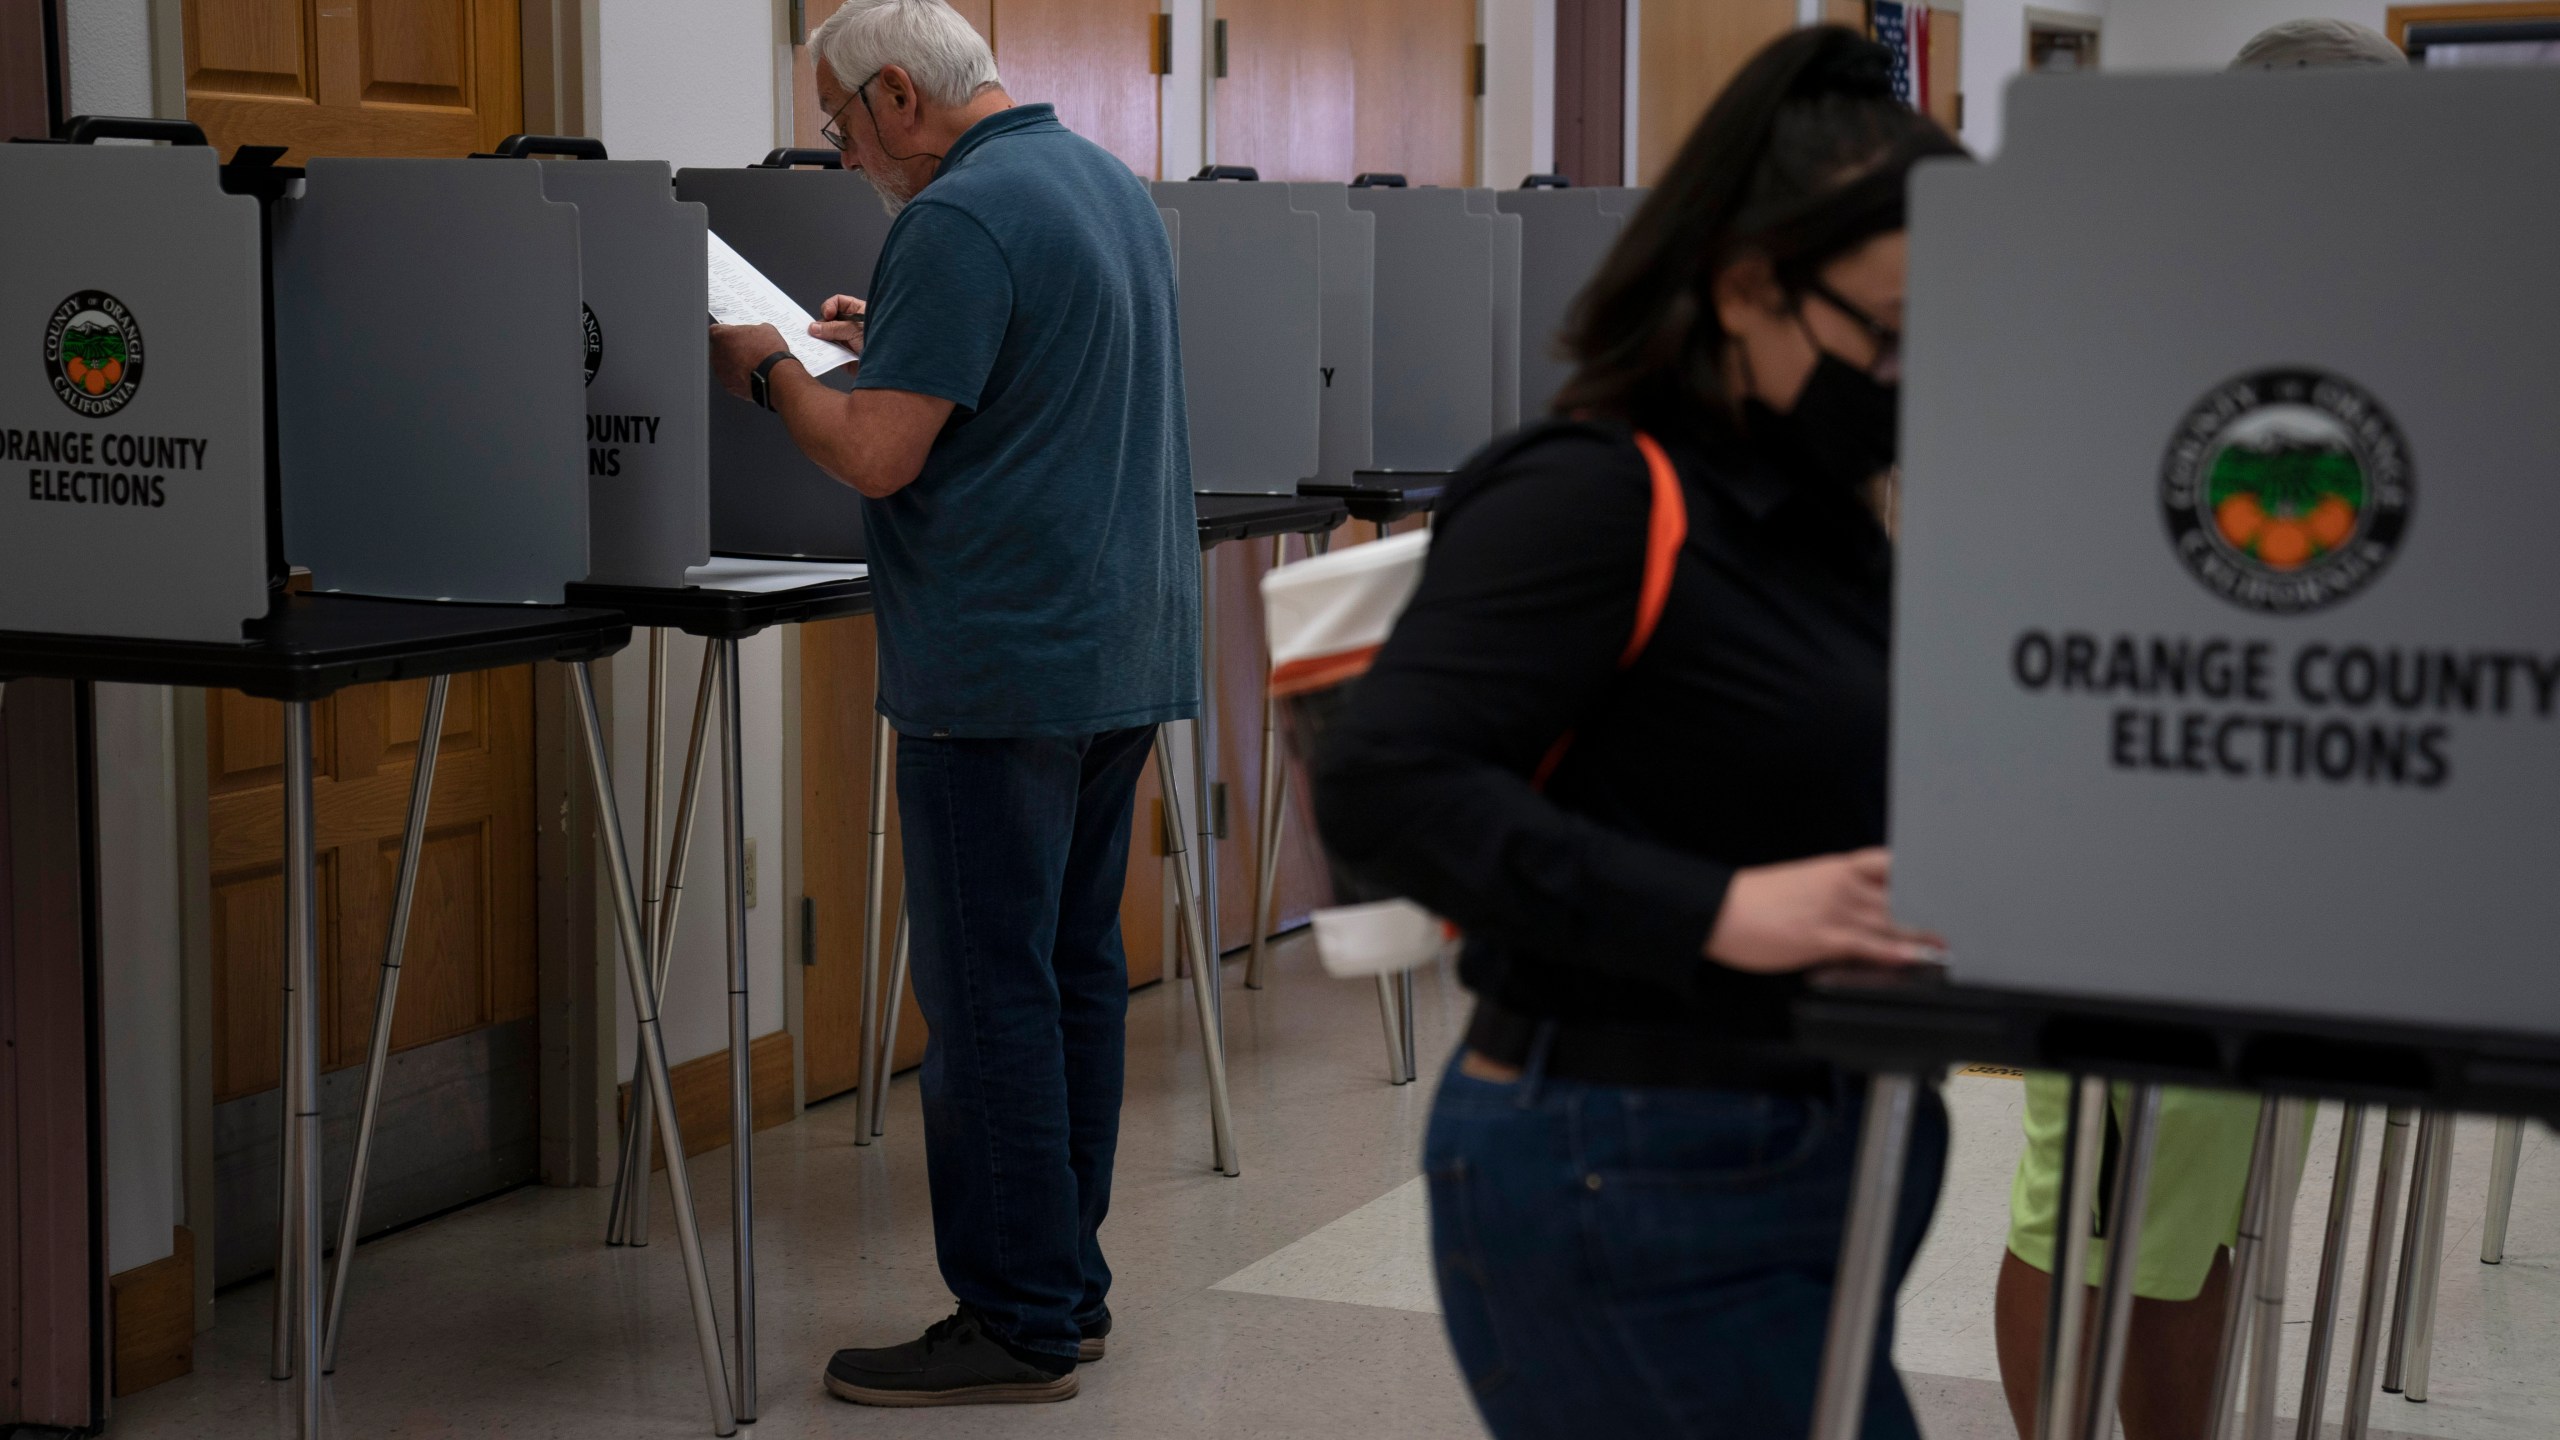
{"x":741,"y":295}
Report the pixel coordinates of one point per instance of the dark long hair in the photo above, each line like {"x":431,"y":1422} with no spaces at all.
{"x":1802,"y":158}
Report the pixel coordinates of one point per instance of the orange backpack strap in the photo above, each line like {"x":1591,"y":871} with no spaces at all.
{"x":1666,"y":530}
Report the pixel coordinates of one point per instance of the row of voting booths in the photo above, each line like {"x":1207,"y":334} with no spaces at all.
{"x":470,"y":398}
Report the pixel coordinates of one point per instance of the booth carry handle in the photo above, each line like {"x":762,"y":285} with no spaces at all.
{"x":567,"y":147}
{"x":1545,"y":182}
{"x":1377,"y":180}
{"x":88,"y":129}
{"x":786,"y":159}
{"x":1228,"y":172}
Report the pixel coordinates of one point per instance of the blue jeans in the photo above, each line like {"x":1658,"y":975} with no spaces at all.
{"x":1016,"y":854}
{"x":1655,"y":1262}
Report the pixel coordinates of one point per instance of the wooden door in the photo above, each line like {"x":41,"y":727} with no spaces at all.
{"x":459,"y":1114}
{"x":1325,"y":89}
{"x":1946,"y":68}
{"x":354,"y":77}
{"x":1688,"y":53}
{"x":1591,"y":91}
{"x":1093,"y":59}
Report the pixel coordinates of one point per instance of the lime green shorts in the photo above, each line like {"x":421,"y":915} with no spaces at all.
{"x":2199,"y":1177}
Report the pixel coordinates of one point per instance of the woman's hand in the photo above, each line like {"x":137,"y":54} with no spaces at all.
{"x":840,"y":320}
{"x":1781,"y":918}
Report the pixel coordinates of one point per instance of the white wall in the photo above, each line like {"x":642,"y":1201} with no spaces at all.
{"x":2205,"y":34}
{"x":1995,"y":51}
{"x":689,"y":82}
{"x":1518,"y":115}
{"x":696,"y":1015}
{"x":1182,"y":125}
{"x":110,"y":47}
{"x":140,"y":971}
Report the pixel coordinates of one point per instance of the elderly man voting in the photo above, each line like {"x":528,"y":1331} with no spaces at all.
{"x":1016,"y":428}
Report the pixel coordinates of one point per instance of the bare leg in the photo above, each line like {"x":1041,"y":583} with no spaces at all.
{"x":2169,"y":1353}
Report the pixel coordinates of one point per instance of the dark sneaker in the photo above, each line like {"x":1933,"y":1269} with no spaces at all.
{"x":1093,"y":1332}
{"x":953,"y":1363}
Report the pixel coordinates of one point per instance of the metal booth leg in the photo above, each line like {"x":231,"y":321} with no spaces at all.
{"x":298,"y":1285}
{"x":652,"y":804}
{"x":742,"y":1109}
{"x":386,"y":1001}
{"x":2083,"y":1139}
{"x":2422,"y":1300}
{"x":2433,"y":1129}
{"x":2266,"y":1340}
{"x":2377,"y":1275}
{"x":1266,"y":846}
{"x":2504,"y":1153}
{"x":2333,"y":1264}
{"x":1391,"y":1013}
{"x":629,"y":1224}
{"x":2243,"y":1276}
{"x":2124,"y":1253}
{"x":1866,"y":1247}
{"x":883,"y":739}
{"x":1204,"y":971}
{"x":890,"y":1013}
{"x":1204,"y":768}
{"x":1405,"y":991}
{"x":653,"y":1049}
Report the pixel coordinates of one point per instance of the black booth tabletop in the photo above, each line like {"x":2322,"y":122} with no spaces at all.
{"x":716,"y":614}
{"x":312,"y":646}
{"x":1384,"y":496}
{"x":1250,"y":517}
{"x":1917,"y":1020}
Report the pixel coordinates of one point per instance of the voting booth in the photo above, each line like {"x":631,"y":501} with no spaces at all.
{"x":1249,"y":264}
{"x":2226,"y":685}
{"x":1564,"y":235}
{"x":1347,"y":330}
{"x":647,"y":371}
{"x":1445,"y":259}
{"x":138,"y":446}
{"x":814,"y":232}
{"x":430,"y":401}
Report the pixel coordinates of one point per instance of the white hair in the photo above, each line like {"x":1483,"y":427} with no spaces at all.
{"x":2319,"y":45}
{"x":947,"y":57}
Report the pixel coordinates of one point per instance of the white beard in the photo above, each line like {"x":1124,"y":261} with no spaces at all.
{"x":892,"y":198}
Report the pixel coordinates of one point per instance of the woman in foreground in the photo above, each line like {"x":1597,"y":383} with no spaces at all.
{"x":1630,"y":735}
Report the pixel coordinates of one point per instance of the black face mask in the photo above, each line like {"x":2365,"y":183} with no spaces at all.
{"x":1843,"y":428}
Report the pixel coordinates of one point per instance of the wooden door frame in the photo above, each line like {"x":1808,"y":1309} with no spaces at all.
{"x":2398,"y":18}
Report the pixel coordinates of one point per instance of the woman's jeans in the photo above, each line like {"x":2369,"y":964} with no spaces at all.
{"x":1632,"y":1262}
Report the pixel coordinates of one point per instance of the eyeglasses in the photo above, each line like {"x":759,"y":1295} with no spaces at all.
{"x":833,"y":131}
{"x":1887,"y":338}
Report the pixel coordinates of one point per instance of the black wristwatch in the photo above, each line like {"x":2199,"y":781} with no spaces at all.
{"x":760,"y":381}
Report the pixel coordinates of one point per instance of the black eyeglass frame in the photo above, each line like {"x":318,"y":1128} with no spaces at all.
{"x":1887,"y":338}
{"x":833,"y":131}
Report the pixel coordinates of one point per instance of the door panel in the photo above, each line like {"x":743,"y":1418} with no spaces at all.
{"x":1414,"y":75}
{"x":836,"y":695}
{"x":354,"y":77}
{"x":1287,"y":105}
{"x":1093,"y":60}
{"x":1689,"y":52}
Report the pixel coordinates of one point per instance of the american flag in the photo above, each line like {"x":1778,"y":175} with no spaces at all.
{"x":1903,"y":28}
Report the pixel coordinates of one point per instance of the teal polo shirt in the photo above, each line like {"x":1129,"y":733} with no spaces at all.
{"x":1041,"y":576}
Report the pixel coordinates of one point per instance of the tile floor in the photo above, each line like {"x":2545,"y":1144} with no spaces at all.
{"x":1293,"y":1301}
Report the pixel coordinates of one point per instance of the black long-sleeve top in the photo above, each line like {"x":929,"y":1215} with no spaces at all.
{"x":1751,"y":729}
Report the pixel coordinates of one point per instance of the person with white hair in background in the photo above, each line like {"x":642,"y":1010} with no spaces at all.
{"x":2200,"y":1161}
{"x":1017,"y":431}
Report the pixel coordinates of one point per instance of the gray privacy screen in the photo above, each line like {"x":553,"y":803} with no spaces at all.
{"x":648,"y":369}
{"x":430,"y":399}
{"x":815,"y":233}
{"x":1564,"y":236}
{"x":132,"y":409}
{"x":1348,"y":312}
{"x":2228,"y":643}
{"x":1435,"y":328}
{"x":1250,"y":269}
{"x":1505,"y":282}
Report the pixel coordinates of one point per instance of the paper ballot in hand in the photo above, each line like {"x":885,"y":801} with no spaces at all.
{"x":741,"y":295}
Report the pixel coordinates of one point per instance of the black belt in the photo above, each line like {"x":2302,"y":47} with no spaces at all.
{"x":1600,"y":1053}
